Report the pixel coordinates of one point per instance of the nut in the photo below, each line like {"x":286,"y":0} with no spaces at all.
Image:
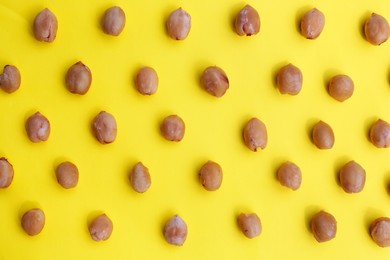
{"x":255,"y":134}
{"x":179,"y":24}
{"x":10,"y":79}
{"x":45,"y":26}
{"x":247,"y":21}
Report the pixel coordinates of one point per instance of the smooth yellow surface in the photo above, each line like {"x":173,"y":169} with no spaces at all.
{"x":213,"y":131}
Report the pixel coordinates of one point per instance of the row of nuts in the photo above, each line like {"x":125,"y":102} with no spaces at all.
{"x":46,"y":24}
{"x":376,"y":27}
{"x":247,"y":23}
{"x":214,"y":80}
{"x":33,"y":222}
{"x":173,"y":128}
{"x":67,"y":174}
{"x":101,"y":227}
{"x":255,"y":134}
{"x":323,"y":227}
{"x":78,"y":80}
{"x":289,"y":80}
{"x":352,"y":176}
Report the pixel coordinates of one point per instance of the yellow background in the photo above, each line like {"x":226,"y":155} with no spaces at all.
{"x":213,"y":131}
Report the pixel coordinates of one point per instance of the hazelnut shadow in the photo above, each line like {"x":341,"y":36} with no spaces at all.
{"x":369,"y":216}
{"x":386,"y":183}
{"x":309,"y":129}
{"x":233,"y":14}
{"x":362,"y":21}
{"x":367,"y":126}
{"x":298,"y":17}
{"x":310,"y":211}
{"x":275,"y":71}
{"x":388,"y":75}
{"x":327,"y":76}
{"x":340,"y":162}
